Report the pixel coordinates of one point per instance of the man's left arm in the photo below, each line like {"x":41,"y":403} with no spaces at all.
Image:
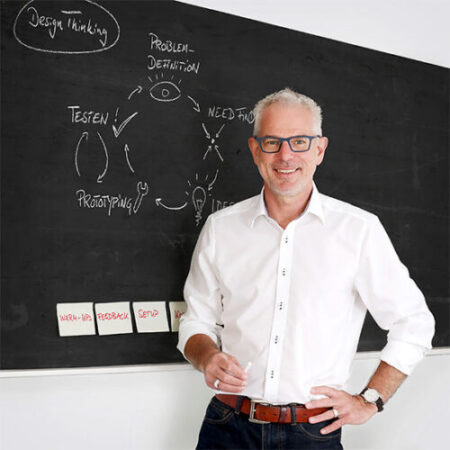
{"x":396,"y":303}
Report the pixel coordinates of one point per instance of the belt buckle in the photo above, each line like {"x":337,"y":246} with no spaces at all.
{"x":251,"y":417}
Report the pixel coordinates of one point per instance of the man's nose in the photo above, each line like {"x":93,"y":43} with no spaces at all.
{"x":285,"y":151}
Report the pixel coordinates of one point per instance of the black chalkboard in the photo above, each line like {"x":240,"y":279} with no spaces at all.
{"x":102,"y":100}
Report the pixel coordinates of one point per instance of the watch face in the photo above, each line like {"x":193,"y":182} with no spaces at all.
{"x":371,"y":395}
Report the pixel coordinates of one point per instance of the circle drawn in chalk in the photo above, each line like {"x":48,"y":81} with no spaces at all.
{"x":81,"y":25}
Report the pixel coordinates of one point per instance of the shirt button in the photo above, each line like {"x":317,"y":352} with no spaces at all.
{"x":272,"y":374}
{"x":286,"y":240}
{"x":283,"y":272}
{"x":276,"y":339}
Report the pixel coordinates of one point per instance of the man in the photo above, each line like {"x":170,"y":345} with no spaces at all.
{"x":277,"y":294}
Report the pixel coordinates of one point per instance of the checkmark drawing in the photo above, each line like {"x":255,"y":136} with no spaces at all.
{"x":119,"y":130}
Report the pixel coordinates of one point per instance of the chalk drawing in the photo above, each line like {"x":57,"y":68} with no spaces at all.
{"x":165,"y":91}
{"x":243,"y":114}
{"x":212,"y":141}
{"x":119,"y":130}
{"x":84,"y":135}
{"x":210,"y":185}
{"x":59,"y":27}
{"x":137,"y":90}
{"x":127,"y":151}
{"x":87,"y":117}
{"x":198,"y":194}
{"x":142,"y":190}
{"x":198,"y":200}
{"x":171,"y":208}
{"x":102,"y":175}
{"x":175,"y":62}
{"x":109,"y":203}
{"x":196,"y":104}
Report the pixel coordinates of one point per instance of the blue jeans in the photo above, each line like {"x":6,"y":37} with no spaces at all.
{"x":222,"y":428}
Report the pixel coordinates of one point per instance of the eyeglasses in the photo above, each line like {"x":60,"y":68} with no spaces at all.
{"x":272,"y":144}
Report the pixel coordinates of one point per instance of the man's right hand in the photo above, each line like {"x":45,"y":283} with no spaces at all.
{"x":225,"y":368}
{"x":205,"y":356}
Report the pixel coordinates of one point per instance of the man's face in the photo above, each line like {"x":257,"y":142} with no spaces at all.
{"x":287,"y":173}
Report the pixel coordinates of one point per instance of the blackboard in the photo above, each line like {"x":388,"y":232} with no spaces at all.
{"x":156,"y":97}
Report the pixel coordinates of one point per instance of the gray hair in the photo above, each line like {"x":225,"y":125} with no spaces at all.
{"x":288,"y":96}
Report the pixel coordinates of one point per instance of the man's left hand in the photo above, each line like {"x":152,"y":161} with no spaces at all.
{"x":351,"y":409}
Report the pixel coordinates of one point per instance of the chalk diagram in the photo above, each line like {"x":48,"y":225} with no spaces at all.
{"x":117,"y":130}
{"x":163,"y":88}
{"x":160,"y":90}
{"x":87,"y":27}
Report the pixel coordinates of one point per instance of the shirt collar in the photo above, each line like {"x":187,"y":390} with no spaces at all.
{"x":314,"y":206}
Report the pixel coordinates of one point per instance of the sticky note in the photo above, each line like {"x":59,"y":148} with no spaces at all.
{"x":177,"y":309}
{"x":75,"y":319}
{"x":113,"y":318}
{"x":150,"y":317}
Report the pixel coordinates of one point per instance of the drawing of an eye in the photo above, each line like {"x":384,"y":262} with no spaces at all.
{"x":165,"y":91}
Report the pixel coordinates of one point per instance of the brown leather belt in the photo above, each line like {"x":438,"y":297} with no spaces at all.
{"x":265,"y":413}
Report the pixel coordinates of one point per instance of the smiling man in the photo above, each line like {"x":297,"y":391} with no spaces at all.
{"x":277,"y":293}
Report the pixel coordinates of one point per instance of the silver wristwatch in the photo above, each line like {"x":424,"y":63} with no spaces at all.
{"x":371,"y":395}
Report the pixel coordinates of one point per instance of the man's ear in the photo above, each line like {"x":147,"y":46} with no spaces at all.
{"x":321,"y":147}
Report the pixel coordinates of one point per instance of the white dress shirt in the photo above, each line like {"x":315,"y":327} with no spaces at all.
{"x":293,"y":301}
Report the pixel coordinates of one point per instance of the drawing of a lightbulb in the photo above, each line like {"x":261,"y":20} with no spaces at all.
{"x":198,"y":200}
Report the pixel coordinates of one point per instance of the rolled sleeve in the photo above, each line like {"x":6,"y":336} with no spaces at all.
{"x":402,"y":355}
{"x":394,"y":300}
{"x":202,"y":292}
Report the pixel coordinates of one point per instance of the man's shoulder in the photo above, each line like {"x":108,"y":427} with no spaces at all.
{"x":345,"y":209}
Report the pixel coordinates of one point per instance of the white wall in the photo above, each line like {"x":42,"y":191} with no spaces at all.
{"x":416,"y":29}
{"x":160,"y":408}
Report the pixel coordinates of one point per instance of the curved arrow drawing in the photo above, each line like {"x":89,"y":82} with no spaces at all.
{"x":84,"y":135}
{"x":196,"y":105}
{"x":138,"y":90}
{"x":100,"y":177}
{"x":210,"y":185}
{"x":172,"y":208}
{"x":127,"y":150}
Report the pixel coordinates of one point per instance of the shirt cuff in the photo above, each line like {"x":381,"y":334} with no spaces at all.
{"x":402,"y":355}
{"x":189,"y":330}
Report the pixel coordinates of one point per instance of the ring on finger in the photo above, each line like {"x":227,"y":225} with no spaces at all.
{"x":216,"y":383}
{"x":336,"y":413}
